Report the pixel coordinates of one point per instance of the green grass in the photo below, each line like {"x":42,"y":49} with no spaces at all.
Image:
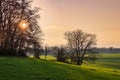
{"x":110,"y":55}
{"x":34,"y":69}
{"x":48,"y":57}
{"x":109,"y":61}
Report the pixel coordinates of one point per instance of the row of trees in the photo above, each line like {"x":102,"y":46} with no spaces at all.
{"x":15,"y":39}
{"x":108,"y":50}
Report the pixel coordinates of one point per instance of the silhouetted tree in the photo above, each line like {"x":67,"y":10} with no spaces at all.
{"x":15,"y":40}
{"x":79,"y":42}
{"x":46,"y":52}
{"x":60,"y":53}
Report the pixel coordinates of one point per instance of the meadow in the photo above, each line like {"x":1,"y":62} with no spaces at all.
{"x":111,"y":60}
{"x":106,"y":68}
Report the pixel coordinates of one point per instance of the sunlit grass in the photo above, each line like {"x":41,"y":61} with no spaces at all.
{"x":110,"y":55}
{"x":109,"y":60}
{"x":35,"y":69}
{"x":48,"y":57}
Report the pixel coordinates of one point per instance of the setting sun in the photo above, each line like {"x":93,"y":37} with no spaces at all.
{"x":23,"y":25}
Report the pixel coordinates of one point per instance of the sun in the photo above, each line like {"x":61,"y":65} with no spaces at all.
{"x":23,"y":25}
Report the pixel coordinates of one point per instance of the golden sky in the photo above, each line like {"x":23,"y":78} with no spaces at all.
{"x":100,"y":17}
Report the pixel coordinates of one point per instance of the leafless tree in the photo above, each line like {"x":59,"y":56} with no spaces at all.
{"x":79,"y":42}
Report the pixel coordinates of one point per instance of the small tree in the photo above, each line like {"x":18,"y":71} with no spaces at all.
{"x":46,"y":52}
{"x":79,"y":42}
{"x":60,"y":53}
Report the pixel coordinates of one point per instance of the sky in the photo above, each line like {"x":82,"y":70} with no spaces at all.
{"x":100,"y":17}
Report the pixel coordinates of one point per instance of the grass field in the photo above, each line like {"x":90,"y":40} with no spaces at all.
{"x":107,"y":68}
{"x":109,"y":61}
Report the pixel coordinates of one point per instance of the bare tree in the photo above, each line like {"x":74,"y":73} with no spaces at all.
{"x":79,"y":42}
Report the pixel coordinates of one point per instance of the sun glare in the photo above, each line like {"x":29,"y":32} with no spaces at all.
{"x":23,"y":25}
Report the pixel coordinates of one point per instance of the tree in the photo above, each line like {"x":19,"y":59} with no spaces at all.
{"x":46,"y":51}
{"x":79,"y":43}
{"x":60,"y":53}
{"x":14,"y":39}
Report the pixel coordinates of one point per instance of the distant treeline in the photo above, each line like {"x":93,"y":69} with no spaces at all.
{"x":107,"y":50}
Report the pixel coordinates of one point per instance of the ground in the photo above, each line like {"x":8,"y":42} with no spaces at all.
{"x":11,"y":68}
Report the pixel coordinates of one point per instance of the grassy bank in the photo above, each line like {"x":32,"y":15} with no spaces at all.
{"x":33,"y":69}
